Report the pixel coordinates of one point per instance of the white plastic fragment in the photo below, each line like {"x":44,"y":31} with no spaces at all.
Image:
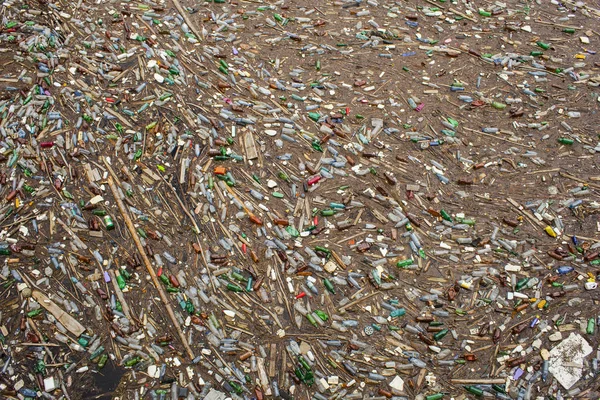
{"x":567,"y":359}
{"x":153,"y":371}
{"x":215,"y":395}
{"x":397,"y":383}
{"x":49,"y":384}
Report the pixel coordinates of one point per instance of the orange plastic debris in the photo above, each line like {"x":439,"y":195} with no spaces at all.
{"x":255,"y":219}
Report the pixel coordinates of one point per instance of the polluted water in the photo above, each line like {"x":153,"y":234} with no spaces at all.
{"x":299,"y":199}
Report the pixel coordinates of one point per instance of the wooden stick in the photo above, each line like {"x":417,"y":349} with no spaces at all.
{"x":355,"y":302}
{"x":124,"y":304}
{"x":497,"y":137}
{"x":338,"y":260}
{"x":41,"y":344}
{"x":577,"y":179}
{"x":185,"y":210}
{"x":557,"y":25}
{"x":496,"y":381}
{"x":187,"y":20}
{"x":148,"y":265}
{"x":453,"y":11}
{"x":33,"y":326}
